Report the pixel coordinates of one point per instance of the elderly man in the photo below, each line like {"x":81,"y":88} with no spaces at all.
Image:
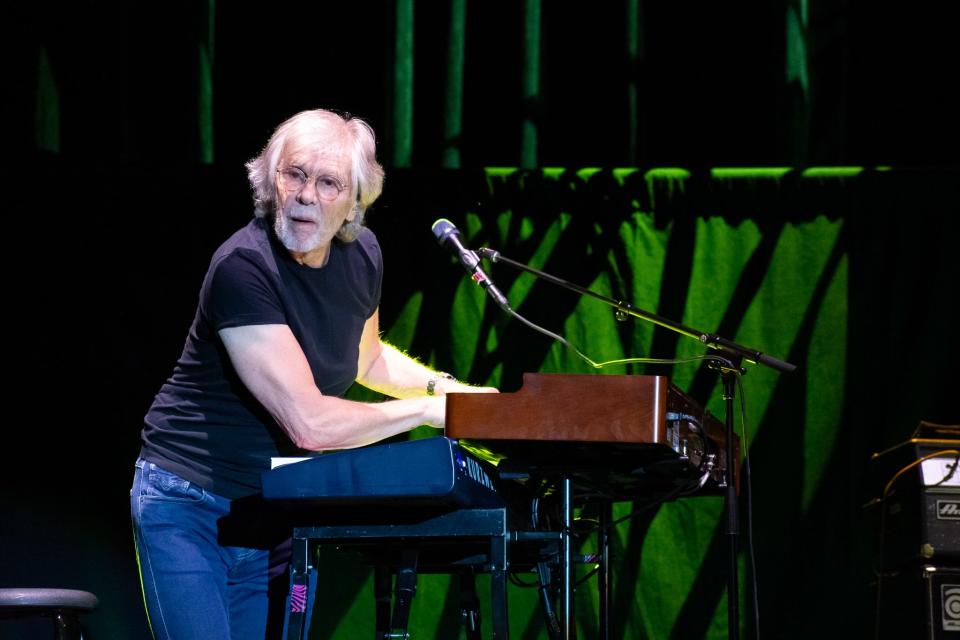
{"x":287,"y":320}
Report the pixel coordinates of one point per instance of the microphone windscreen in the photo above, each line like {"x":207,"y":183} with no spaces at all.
{"x":443,"y":229}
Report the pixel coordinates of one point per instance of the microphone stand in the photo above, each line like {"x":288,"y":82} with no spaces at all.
{"x":729,"y":363}
{"x":711,"y":340}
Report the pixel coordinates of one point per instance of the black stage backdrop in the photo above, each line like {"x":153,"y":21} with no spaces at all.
{"x":129,"y":126}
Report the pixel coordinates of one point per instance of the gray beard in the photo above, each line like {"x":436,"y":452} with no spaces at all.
{"x":289,"y":238}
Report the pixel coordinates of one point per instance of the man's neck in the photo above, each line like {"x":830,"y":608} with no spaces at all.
{"x":315,"y":258}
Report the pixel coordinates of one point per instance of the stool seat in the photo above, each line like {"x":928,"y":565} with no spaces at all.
{"x":30,"y":599}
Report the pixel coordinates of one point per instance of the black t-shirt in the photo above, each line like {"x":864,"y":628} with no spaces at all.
{"x":204,"y":425}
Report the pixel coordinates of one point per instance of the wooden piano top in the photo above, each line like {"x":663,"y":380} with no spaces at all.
{"x":586,"y":408}
{"x":591,"y":424}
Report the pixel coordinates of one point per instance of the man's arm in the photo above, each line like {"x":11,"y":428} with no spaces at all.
{"x":273,"y":367}
{"x":384,"y":368}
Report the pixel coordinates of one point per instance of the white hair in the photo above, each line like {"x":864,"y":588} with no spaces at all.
{"x":366,"y":172}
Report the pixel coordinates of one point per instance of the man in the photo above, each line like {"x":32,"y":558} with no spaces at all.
{"x":287,"y":320}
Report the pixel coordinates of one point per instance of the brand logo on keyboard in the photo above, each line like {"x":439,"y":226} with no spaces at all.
{"x":948,"y":509}
{"x":476,"y":472}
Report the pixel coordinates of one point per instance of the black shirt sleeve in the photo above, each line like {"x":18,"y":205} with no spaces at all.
{"x":240,"y":291}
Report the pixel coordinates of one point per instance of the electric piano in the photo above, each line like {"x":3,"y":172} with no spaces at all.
{"x":428,"y":472}
{"x":621,"y":436}
{"x":624,"y":436}
{"x":560,"y":440}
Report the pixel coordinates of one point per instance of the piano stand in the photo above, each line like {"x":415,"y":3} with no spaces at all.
{"x":605,"y":577}
{"x":568,"y":627}
{"x":469,"y":606}
{"x":395,"y":627}
{"x":415,"y":539}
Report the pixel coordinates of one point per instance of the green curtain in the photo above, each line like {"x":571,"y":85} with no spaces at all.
{"x":757,"y":279}
{"x":766,"y":257}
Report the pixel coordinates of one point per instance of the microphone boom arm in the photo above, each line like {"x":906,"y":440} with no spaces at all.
{"x":710,"y":340}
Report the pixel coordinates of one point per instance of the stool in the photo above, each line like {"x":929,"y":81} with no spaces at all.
{"x":63,"y":606}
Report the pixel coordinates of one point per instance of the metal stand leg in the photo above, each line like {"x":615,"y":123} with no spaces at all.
{"x":383,"y":597}
{"x":300,"y":575}
{"x":66,"y":626}
{"x":732,"y":513}
{"x":567,"y":569}
{"x":406,"y":589}
{"x":498,"y":587}
{"x":604,"y":579}
{"x":469,"y":606}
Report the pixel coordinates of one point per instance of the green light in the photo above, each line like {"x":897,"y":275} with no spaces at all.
{"x":667,"y":173}
{"x":750,"y":172}
{"x":831,"y":172}
{"x":531,"y":82}
{"x":403,"y":85}
{"x":453,"y":116}
{"x":552,"y":172}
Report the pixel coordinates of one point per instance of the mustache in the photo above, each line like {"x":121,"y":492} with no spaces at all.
{"x":302,"y":212}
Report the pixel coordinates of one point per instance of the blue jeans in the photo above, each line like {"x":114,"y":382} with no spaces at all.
{"x":196,"y":584}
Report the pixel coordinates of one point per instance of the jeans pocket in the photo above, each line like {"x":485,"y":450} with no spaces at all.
{"x":160,"y":484}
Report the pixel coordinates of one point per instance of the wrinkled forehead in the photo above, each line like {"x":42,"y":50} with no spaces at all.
{"x":319,"y":148}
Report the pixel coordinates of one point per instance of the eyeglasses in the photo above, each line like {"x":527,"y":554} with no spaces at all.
{"x":294,"y":179}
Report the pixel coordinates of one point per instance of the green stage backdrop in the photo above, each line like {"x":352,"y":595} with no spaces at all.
{"x":849,"y":273}
{"x":846,"y":272}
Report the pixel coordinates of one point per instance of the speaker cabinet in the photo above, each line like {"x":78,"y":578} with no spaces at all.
{"x":919,"y":602}
{"x":919,"y":481}
{"x":918,"y":586}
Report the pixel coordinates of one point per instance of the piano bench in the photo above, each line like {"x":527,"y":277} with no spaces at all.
{"x":62,"y":606}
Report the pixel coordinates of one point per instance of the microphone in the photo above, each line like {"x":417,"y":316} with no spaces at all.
{"x":449,"y":237}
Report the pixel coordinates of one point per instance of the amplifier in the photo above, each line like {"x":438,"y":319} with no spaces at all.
{"x":919,"y":602}
{"x":921,"y":511}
